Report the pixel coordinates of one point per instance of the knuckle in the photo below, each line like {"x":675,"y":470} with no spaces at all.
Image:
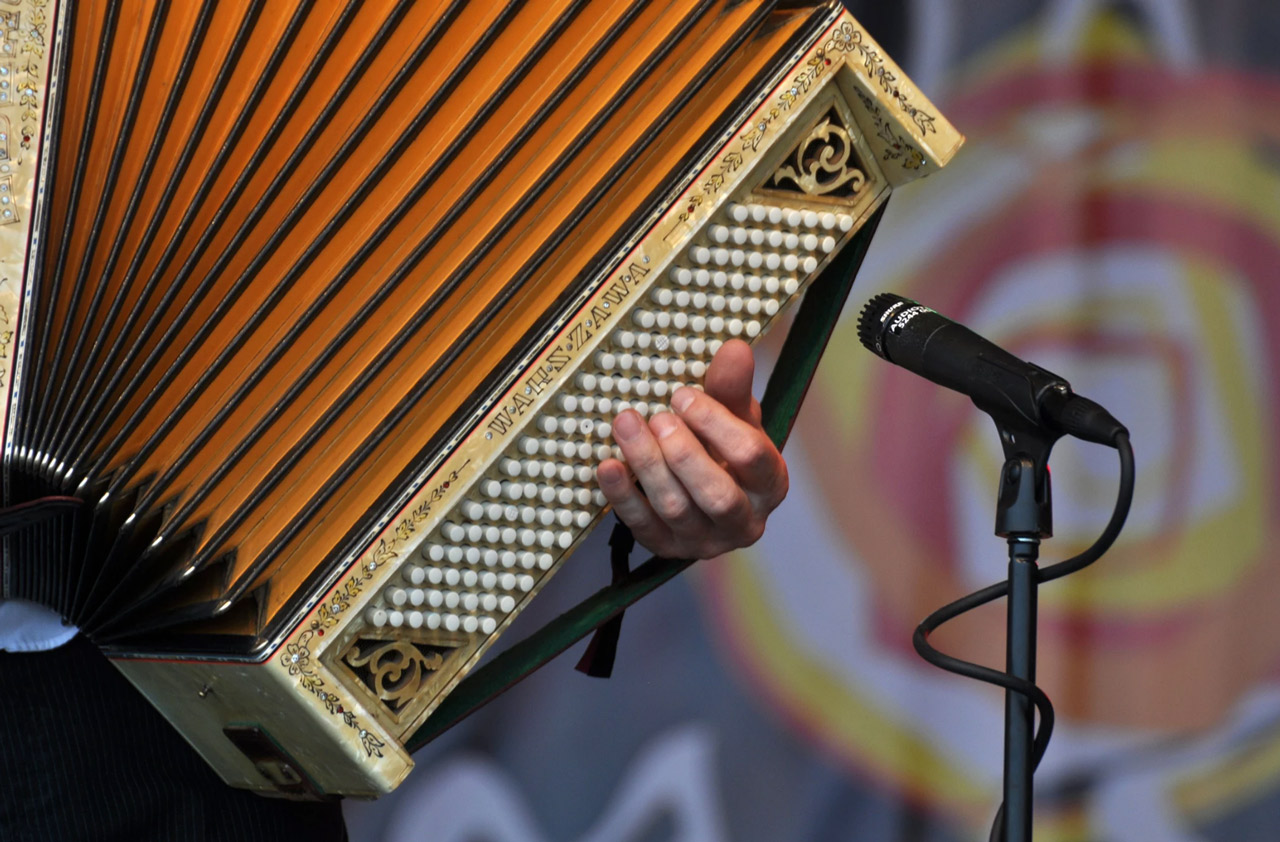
{"x":633,"y":510}
{"x":756,"y":453}
{"x":781,"y":486}
{"x":699,"y":412}
{"x":672,"y":507}
{"x":644,"y":460}
{"x":634,"y":517}
{"x":702,"y":411}
{"x":730,"y":504}
{"x":680,"y":452}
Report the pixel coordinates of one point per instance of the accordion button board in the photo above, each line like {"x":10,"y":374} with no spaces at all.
{"x":296,"y":571}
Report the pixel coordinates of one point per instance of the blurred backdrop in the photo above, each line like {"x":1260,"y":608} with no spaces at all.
{"x":1115,"y":217}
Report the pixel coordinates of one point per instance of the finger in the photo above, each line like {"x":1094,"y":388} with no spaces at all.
{"x":666,"y":495}
{"x":630,"y":505}
{"x":711,"y":488}
{"x":730,"y":375}
{"x":747,"y":452}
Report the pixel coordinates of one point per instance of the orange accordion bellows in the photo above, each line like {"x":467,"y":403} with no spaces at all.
{"x":317,"y":315}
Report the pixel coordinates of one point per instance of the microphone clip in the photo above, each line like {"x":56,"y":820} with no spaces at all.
{"x":1024,"y":501}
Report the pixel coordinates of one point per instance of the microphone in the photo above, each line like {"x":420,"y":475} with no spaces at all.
{"x":1012,"y":391}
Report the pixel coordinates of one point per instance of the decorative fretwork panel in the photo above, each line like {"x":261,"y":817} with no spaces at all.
{"x":826,"y":162}
{"x":395,"y":670}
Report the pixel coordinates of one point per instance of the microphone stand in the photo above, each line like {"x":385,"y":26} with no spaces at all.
{"x":1024,"y":516}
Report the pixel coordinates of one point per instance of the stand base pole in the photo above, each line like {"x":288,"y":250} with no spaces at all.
{"x":1020,"y":661}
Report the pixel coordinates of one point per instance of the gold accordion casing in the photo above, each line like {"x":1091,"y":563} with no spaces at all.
{"x":316,"y":315}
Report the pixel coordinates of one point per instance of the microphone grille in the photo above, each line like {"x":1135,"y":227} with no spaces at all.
{"x":872,"y":320}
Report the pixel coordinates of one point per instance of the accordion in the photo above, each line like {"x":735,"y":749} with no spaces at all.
{"x":315,"y":317}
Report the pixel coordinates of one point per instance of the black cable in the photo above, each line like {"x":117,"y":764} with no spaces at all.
{"x":920,"y":640}
{"x":1124,"y":499}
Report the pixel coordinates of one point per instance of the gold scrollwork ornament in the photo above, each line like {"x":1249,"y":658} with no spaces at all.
{"x":395,"y":670}
{"x":827,"y":168}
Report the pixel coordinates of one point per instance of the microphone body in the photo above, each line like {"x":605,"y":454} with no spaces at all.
{"x":1014,"y":392}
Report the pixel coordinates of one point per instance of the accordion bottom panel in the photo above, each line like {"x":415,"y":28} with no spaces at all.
{"x":328,"y":711}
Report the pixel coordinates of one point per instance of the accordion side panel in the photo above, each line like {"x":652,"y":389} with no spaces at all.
{"x":481,"y":529}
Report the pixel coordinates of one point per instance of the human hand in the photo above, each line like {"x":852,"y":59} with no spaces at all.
{"x":699,"y":480}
